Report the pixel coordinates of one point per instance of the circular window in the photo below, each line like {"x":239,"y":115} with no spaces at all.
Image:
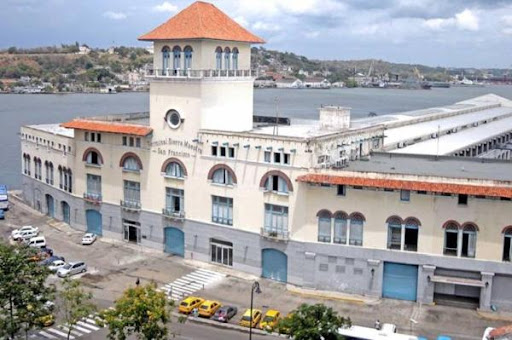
{"x":173,"y":119}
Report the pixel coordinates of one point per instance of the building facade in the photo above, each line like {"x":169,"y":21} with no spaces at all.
{"x":321,"y":204}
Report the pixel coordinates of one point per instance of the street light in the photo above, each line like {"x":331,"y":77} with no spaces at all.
{"x":255,"y":289}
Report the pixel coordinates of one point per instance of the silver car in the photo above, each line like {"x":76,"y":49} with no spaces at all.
{"x":72,"y":268}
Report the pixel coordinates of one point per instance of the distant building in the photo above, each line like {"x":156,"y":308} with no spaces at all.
{"x":303,"y":73}
{"x":150,"y":49}
{"x":317,"y":83}
{"x":289,"y":83}
{"x":84,"y":49}
{"x":110,"y":50}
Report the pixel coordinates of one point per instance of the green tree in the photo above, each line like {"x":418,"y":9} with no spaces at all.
{"x":76,"y":303}
{"x":142,"y":311}
{"x":12,"y":50}
{"x":314,"y":322}
{"x":23,"y":292}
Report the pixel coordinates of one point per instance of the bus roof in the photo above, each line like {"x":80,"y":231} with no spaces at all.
{"x":365,"y":333}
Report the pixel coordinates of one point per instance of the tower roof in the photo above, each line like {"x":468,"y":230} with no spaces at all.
{"x":201,"y":20}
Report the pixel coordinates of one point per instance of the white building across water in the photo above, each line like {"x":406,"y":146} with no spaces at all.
{"x":415,"y":206}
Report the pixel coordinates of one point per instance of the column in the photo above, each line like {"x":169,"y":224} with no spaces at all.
{"x":425,"y":285}
{"x":348,"y":231}
{"x":459,"y":243}
{"x":375,"y":278}
{"x":402,"y":237}
{"x":485,"y":292}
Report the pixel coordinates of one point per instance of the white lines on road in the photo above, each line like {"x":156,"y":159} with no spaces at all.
{"x":190,"y":283}
{"x":85,"y":326}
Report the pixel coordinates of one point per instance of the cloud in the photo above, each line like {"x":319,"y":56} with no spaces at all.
{"x":115,"y":15}
{"x":166,"y":7}
{"x":507,"y":20}
{"x":241,"y":21}
{"x":312,"y":34}
{"x":465,"y":20}
{"x":266,"y":26}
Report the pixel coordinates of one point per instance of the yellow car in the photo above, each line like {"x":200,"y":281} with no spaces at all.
{"x":187,"y":305}
{"x":270,"y":319}
{"x":208,"y":308}
{"x":45,"y":320}
{"x":247,"y":320}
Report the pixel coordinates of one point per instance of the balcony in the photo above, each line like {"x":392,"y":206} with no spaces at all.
{"x":131,"y":206}
{"x":92,"y":198}
{"x":274,"y":234}
{"x":173,"y":215}
{"x":200,"y":74}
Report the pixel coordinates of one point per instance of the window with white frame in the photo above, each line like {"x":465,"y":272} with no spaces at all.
{"x":451,"y":239}
{"x":276,"y":219}
{"x":174,"y":200}
{"x":131,"y":164}
{"x":93,"y":158}
{"x":174,"y":169}
{"x":324,"y":227}
{"x":405,"y":195}
{"x":394,"y":233}
{"x":356,"y":230}
{"x":222,"y":176}
{"x":276,"y":157}
{"x":93,"y":185}
{"x":132,"y":192}
{"x":223,"y":151}
{"x":507,"y":245}
{"x":277,"y":184}
{"x":222,"y":210}
{"x":469,"y":233}
{"x":340,"y":228}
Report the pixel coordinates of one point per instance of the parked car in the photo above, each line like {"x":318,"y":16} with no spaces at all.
{"x":40,"y":256}
{"x":72,"y":268}
{"x":187,"y":305}
{"x":56,"y":265}
{"x":487,"y":333}
{"x":224,"y":313}
{"x":247,"y":320}
{"x":208,"y":308}
{"x":45,"y":320}
{"x":88,"y":239}
{"x":270,"y":320}
{"x":37,"y":242}
{"x":17,"y":233}
{"x":48,"y":261}
{"x":2,"y":214}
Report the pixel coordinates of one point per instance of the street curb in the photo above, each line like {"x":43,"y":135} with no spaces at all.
{"x":331,"y":296}
{"x":224,"y":325}
{"x":494,"y":316}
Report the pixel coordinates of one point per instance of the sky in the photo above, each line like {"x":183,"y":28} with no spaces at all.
{"x":457,"y":33}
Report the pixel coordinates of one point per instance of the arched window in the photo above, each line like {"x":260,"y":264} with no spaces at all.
{"x":227,"y":58}
{"x":340,"y":227}
{"x":50,"y":173}
{"x":93,"y":158}
{"x":394,"y":232}
{"x":61,"y":178}
{"x":225,"y":177}
{"x":131,"y":164}
{"x":412,"y":225}
{"x":188,"y":57}
{"x":507,"y":244}
{"x":469,"y":232}
{"x":166,"y":57}
{"x":324,"y":226}
{"x":173,"y":169}
{"x":234,"y":58}
{"x":176,"y":60}
{"x":451,"y":238}
{"x":70,"y":180}
{"x":222,"y":176}
{"x":356,"y":229}
{"x":218,"y":58}
{"x":276,"y":181}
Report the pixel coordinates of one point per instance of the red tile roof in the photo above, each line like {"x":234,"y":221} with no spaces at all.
{"x":451,"y":188}
{"x":102,"y":126}
{"x":201,"y":20}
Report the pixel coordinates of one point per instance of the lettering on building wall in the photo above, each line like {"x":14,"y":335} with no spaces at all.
{"x":179,"y":148}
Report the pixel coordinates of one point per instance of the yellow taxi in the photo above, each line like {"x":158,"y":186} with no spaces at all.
{"x":45,"y":320}
{"x":208,"y":308}
{"x":270,"y":320}
{"x":247,"y":320}
{"x":187,"y":305}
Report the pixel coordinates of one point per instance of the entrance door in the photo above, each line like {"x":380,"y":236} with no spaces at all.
{"x":131,"y":231}
{"x":274,"y":265}
{"x":400,"y":281}
{"x":94,"y":221}
{"x":221,"y":252}
{"x":50,"y":206}
{"x":66,"y":212}
{"x":174,"y":241}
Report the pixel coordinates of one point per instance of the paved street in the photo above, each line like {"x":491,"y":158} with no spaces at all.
{"x":114,"y":266}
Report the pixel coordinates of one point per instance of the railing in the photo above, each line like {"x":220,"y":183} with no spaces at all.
{"x":199,"y":74}
{"x":130,"y":205}
{"x":172,"y":214}
{"x":92,"y":198}
{"x":280,"y":235}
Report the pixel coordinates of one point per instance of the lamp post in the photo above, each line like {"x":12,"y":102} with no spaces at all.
{"x":254,"y":289}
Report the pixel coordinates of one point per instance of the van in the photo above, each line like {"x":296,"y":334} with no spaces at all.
{"x":37,"y":242}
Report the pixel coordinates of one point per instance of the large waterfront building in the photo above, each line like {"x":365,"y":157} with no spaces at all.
{"x":415,"y":206}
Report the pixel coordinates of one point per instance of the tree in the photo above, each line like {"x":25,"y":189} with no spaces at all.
{"x":76,"y":303}
{"x":314,"y":322}
{"x":142,"y":311}
{"x":12,"y":50}
{"x":23,"y":293}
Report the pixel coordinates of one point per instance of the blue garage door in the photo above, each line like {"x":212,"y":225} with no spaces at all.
{"x":274,"y":265}
{"x":66,"y":212}
{"x":94,"y":221}
{"x":174,"y":241}
{"x":50,"y":206}
{"x":400,"y":281}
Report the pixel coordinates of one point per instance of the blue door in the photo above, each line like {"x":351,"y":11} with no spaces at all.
{"x":400,"y":281}
{"x":66,"y":212}
{"x":50,"y":206}
{"x":94,"y":222}
{"x":274,"y":265}
{"x":174,"y":241}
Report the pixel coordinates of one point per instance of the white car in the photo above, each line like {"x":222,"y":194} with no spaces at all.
{"x":487,"y":333}
{"x":56,"y":265}
{"x":88,"y":238}
{"x":25,"y":232}
{"x":72,"y":268}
